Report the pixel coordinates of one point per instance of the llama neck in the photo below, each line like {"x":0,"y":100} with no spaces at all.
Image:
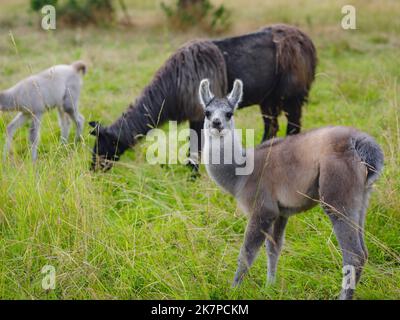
{"x":151,"y":109}
{"x":6,"y":100}
{"x":225,"y":159}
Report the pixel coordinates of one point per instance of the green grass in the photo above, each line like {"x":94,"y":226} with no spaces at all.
{"x":142,"y":231}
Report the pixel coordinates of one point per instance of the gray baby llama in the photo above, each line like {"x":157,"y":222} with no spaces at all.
{"x":58,"y":86}
{"x":333,"y":166}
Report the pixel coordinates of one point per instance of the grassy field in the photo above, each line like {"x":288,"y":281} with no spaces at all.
{"x":142,"y":231}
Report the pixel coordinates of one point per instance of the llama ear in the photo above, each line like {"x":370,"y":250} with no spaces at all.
{"x":93,"y":124}
{"x":205,"y":94}
{"x":96,"y":128}
{"x":236,"y":94}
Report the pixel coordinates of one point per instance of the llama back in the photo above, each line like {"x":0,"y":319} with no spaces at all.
{"x":300,"y":156}
{"x":277,"y":61}
{"x":46,"y":88}
{"x":339,"y":139}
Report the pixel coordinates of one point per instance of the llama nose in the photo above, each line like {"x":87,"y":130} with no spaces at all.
{"x":216,"y":123}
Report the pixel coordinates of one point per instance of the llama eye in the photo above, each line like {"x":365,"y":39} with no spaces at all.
{"x":207,"y":113}
{"x":229,"y":115}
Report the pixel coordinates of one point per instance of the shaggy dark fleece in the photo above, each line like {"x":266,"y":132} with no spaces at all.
{"x":276,"y":64}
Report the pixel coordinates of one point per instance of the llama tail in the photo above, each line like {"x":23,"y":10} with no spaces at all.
{"x":371,"y":154}
{"x":79,"y":66}
{"x":296,"y":58}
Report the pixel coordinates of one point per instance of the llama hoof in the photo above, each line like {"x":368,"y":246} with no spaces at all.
{"x":192,"y":164}
{"x":8,"y":158}
{"x":79,"y":139}
{"x":346,"y":294}
{"x":194,"y":176}
{"x":271,"y":282}
{"x":236,"y":283}
{"x":194,"y":168}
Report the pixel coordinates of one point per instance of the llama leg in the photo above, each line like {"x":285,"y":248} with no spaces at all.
{"x":292,"y":108}
{"x":361,"y":222}
{"x":65,"y":124}
{"x":34,"y":134}
{"x":79,"y":121}
{"x":274,"y":244}
{"x":342,"y":189}
{"x":347,"y":234}
{"x":195,"y":144}
{"x":257,"y":229}
{"x":270,"y":113}
{"x":71,"y":107}
{"x":16,"y":123}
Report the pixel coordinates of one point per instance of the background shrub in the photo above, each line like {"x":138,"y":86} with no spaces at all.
{"x":73,"y":12}
{"x":190,"y":13}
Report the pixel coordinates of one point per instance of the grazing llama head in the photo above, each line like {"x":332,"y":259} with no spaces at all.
{"x":107,"y":147}
{"x":219,"y":111}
